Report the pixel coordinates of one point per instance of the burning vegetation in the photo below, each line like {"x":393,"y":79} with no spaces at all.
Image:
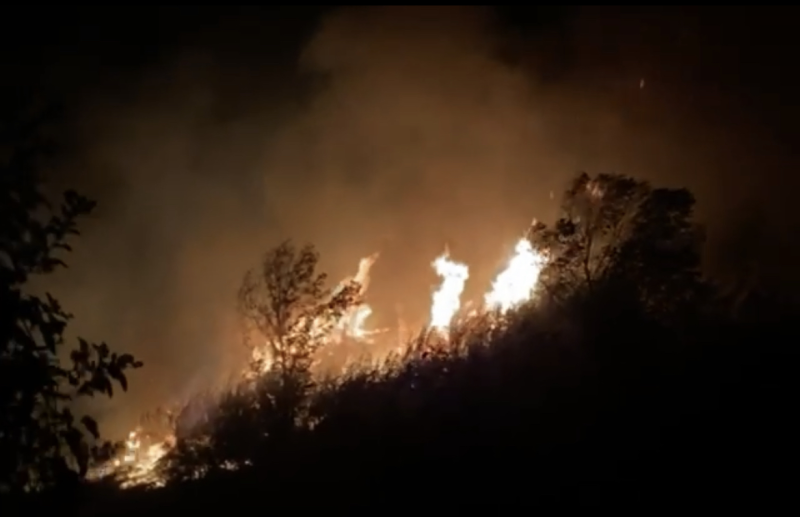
{"x":291,"y":319}
{"x":301,"y":335}
{"x":319,"y":371}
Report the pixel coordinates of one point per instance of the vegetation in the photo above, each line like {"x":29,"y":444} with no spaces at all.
{"x":42,"y":444}
{"x":629,"y":378}
{"x":286,"y":309}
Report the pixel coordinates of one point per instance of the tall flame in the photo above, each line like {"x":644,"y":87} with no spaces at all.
{"x":352,"y":322}
{"x":515,"y":284}
{"x":447,"y":299}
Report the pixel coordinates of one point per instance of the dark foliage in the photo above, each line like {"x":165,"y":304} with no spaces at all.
{"x":42,"y":444}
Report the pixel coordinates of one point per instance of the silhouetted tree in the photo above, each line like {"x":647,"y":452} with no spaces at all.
{"x":286,"y":303}
{"x":41,"y":442}
{"x":618,"y":232}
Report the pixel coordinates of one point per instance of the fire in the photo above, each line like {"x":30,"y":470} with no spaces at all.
{"x":515,"y":284}
{"x":512,"y":287}
{"x":352,"y":322}
{"x":447,"y":299}
{"x":137,"y":463}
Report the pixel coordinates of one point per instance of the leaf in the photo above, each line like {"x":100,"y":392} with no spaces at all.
{"x":118,"y":376}
{"x":125,"y":360}
{"x":91,"y":425}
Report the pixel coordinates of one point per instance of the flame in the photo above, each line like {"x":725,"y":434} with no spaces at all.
{"x":137,"y":463}
{"x":512,"y":287}
{"x":515,"y":284}
{"x":364,"y":268}
{"x":447,"y":299}
{"x":352,"y":322}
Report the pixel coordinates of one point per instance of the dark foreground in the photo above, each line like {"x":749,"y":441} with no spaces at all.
{"x":611,"y":424}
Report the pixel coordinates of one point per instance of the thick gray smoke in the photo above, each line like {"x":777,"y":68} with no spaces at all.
{"x":399,"y":130}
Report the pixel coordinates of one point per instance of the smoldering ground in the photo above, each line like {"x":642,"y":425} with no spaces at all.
{"x":399,"y":130}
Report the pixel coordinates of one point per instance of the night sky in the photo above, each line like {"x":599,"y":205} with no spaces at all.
{"x":208,"y":135}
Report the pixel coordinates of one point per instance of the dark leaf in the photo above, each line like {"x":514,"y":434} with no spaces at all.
{"x":91,"y":425}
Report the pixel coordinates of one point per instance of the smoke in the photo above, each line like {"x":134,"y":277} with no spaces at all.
{"x":399,"y":130}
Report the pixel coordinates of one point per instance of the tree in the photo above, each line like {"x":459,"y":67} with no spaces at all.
{"x":615,"y":230}
{"x":286,"y":305}
{"x":41,"y":442}
{"x":288,"y":314}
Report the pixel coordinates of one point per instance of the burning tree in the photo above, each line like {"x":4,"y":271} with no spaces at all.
{"x":290,"y":313}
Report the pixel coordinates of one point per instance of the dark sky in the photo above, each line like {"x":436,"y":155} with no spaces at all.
{"x":209,"y":134}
